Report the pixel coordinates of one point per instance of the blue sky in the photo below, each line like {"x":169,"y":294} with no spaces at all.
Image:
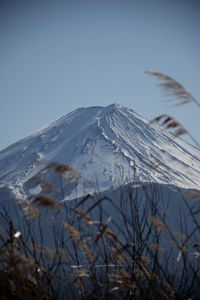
{"x":56,"y":56}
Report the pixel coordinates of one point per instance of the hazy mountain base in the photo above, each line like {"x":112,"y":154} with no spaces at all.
{"x":153,"y":221}
{"x":163,"y":201}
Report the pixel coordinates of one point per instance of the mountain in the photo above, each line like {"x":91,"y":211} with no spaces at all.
{"x":107,"y":146}
{"x":139,"y":224}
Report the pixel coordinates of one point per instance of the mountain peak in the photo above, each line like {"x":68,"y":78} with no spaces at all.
{"x":109,"y":144}
{"x":113,"y":106}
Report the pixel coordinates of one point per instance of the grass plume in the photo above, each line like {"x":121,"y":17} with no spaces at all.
{"x":171,"y":124}
{"x":173,"y":89}
{"x":44,"y":201}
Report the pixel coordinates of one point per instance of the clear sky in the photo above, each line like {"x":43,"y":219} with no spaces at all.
{"x":56,"y":56}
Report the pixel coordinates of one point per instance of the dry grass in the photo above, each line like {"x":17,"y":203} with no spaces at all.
{"x":28,"y":208}
{"x":74,"y":234}
{"x":45,"y":184}
{"x":171,"y":124}
{"x":177,"y":94}
{"x":157,"y":222}
{"x":45,"y":201}
{"x":173,"y":89}
{"x":96,"y":257}
{"x":62,"y":169}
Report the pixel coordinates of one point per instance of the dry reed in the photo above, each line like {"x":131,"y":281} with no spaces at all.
{"x":174,"y":89}
{"x":45,"y":201}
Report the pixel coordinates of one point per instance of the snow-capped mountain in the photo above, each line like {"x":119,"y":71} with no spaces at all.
{"x":105,"y":145}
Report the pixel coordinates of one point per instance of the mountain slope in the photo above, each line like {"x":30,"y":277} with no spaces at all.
{"x":108,"y":145}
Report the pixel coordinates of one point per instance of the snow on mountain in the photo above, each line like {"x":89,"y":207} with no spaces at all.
{"x":105,"y":145}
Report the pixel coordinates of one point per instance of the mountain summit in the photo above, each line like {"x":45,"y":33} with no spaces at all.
{"x":107,"y":145}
